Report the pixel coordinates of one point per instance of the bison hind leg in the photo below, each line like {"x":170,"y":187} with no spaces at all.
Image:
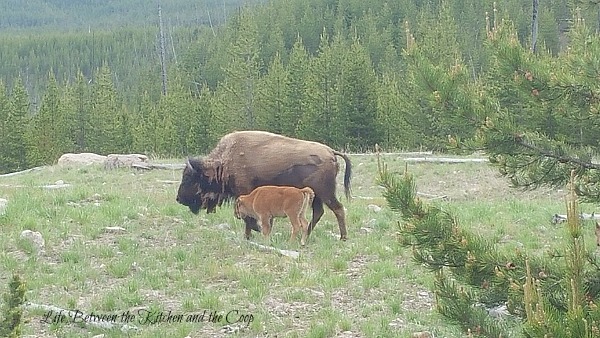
{"x":338,"y":210}
{"x":317,"y":206}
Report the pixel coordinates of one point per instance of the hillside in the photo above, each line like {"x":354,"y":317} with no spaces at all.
{"x":98,"y":14}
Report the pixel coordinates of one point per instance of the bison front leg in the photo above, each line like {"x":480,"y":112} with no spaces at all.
{"x":251,"y":225}
{"x":266,"y":223}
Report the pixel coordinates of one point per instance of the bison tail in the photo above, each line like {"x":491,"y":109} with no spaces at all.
{"x":347,"y":174}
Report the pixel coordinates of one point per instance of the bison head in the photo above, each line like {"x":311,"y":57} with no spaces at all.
{"x":189,"y":193}
{"x":200,"y":187}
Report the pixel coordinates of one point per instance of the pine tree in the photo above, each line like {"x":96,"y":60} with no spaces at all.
{"x":145,"y":129}
{"x":557,"y":299}
{"x":542,"y":133}
{"x":174,"y":118}
{"x":296,"y":98}
{"x":202,"y":135}
{"x":271,"y":113}
{"x":395,"y":132}
{"x":242,"y":72}
{"x":448,"y":100}
{"x":5,"y":163}
{"x":15,"y":142}
{"x":79,"y":97}
{"x":107,"y":122}
{"x":552,"y":130}
{"x":49,"y":134}
{"x":357,"y":105}
{"x":320,"y":120}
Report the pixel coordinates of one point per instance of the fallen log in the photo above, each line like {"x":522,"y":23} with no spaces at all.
{"x":432,"y":197}
{"x":584,"y":217}
{"x":150,"y":166}
{"x":411,"y":153}
{"x":445,"y":159}
{"x":22,"y":172}
{"x":287,"y":253}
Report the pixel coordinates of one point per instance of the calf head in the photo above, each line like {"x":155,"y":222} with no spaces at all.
{"x":240,"y":210}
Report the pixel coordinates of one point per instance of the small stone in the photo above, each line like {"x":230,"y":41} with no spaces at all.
{"x":114,"y":229}
{"x":36,"y":238}
{"x":374,"y":208}
{"x":422,"y":334}
{"x":3,"y":204}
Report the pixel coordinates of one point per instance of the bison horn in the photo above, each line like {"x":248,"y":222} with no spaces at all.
{"x":189,"y":165}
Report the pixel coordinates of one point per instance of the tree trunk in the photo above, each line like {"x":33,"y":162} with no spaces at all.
{"x":162,"y":52}
{"x":534,"y":25}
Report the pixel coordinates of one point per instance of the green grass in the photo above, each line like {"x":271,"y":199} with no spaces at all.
{"x":167,"y":259}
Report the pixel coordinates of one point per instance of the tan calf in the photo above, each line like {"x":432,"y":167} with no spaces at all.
{"x":269,"y":201}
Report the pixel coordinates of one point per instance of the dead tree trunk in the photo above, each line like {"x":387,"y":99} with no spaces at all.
{"x":534,"y":25}
{"x":163,"y":61}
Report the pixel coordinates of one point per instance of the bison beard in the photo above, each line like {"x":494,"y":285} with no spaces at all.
{"x":242,"y":161}
{"x":266,"y":202}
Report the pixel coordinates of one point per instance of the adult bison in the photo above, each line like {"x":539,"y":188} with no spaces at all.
{"x":244,"y":160}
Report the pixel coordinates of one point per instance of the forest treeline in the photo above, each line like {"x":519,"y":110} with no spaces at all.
{"x":406,"y":74}
{"x":67,"y":15}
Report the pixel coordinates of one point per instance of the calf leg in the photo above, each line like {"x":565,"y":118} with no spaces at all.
{"x":304,"y":226}
{"x":317,"y":213}
{"x":266,"y":223}
{"x":295,"y":226}
{"x":338,"y":210}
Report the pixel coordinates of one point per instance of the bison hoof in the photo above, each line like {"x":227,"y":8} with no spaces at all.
{"x":343,"y":238}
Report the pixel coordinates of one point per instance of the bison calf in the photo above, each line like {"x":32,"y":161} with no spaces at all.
{"x":269,"y":201}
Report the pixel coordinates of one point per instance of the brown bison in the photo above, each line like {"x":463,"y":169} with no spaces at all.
{"x":244,"y":160}
{"x":269,"y":201}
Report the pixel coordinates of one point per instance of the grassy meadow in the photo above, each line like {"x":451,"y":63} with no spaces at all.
{"x":165,"y":260}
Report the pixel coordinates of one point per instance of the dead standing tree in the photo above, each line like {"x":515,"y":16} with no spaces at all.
{"x":534,"y":25}
{"x":163,"y":61}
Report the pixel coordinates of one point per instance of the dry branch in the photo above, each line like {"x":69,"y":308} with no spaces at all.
{"x":21,"y":172}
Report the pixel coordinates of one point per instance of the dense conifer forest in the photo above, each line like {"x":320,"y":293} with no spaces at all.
{"x":87,"y":76}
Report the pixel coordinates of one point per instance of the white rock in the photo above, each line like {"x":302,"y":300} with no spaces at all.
{"x":3,"y":205}
{"x":114,"y":229}
{"x":374,"y":208}
{"x":113,"y":161}
{"x":36,"y":238}
{"x":81,"y":159}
